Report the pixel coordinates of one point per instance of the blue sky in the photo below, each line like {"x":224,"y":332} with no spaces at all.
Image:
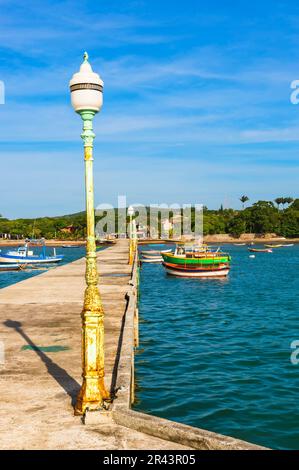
{"x":196,"y":102}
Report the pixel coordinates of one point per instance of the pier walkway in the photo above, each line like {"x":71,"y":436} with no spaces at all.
{"x":40,"y":327}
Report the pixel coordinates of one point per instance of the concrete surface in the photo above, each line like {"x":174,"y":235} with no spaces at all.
{"x":40,"y":327}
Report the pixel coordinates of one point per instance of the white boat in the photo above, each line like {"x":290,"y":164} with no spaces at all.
{"x":155,"y":252}
{"x":151,"y":257}
{"x":239,"y":244}
{"x":216,"y":273}
{"x":152,"y":260}
{"x":24,"y":256}
{"x":289,"y":244}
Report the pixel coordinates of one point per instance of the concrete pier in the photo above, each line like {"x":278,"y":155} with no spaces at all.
{"x":40,"y":328}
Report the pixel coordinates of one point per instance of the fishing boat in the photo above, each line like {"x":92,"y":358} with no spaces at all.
{"x":288,"y":244}
{"x":24,"y":255}
{"x":239,"y":244}
{"x":196,"y":261}
{"x":261,"y":250}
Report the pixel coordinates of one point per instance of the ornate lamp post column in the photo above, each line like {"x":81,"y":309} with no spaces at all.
{"x":87,"y":98}
{"x":131,"y":246}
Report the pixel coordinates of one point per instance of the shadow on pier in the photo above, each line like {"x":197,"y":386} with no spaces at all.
{"x":113,"y":388}
{"x":61,"y":376}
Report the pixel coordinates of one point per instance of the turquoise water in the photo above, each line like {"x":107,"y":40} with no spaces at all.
{"x":216,"y":353}
{"x":11,"y":277}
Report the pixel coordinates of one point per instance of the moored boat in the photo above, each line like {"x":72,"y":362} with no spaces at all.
{"x":261,"y":250}
{"x":24,"y":255}
{"x":197,"y":261}
{"x":274,"y":246}
{"x":280,"y":246}
{"x":155,"y":252}
{"x":151,"y":260}
{"x":11,"y":267}
{"x":220,"y":270}
{"x":152,"y":257}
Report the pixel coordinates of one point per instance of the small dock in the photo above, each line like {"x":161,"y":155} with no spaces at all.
{"x":40,"y":331}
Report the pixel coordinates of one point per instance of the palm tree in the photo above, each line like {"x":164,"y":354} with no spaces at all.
{"x":284,"y":200}
{"x":288,"y":200}
{"x":244,"y":199}
{"x":278,"y":201}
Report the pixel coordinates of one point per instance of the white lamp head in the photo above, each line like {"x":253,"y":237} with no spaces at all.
{"x":86,"y":88}
{"x":131,"y":211}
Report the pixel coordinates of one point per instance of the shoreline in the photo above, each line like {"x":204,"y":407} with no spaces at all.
{"x":50,"y":243}
{"x":217,"y":238}
{"x":224,"y":238}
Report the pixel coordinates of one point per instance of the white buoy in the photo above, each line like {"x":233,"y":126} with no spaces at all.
{"x":251,"y":256}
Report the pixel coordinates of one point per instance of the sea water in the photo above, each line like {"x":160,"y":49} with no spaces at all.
{"x":11,"y":277}
{"x":216,"y":353}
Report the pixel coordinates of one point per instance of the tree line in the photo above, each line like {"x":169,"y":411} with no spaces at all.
{"x":280,"y":216}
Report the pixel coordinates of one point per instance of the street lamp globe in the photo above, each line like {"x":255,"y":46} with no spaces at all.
{"x":131,"y":211}
{"x":86,"y":89}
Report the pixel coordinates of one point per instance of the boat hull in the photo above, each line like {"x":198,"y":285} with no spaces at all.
{"x":152,"y":260}
{"x":153,"y":257}
{"x":20,"y":260}
{"x":204,"y":273}
{"x":257,"y":250}
{"x":10,"y":267}
{"x":219,"y":271}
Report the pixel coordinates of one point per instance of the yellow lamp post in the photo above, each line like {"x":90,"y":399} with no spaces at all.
{"x":86,"y":89}
{"x":131,"y":213}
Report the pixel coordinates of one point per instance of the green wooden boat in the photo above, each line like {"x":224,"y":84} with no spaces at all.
{"x":196,"y":262}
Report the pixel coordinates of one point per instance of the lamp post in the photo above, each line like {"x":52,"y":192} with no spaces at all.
{"x":86,"y":89}
{"x":131,"y":213}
